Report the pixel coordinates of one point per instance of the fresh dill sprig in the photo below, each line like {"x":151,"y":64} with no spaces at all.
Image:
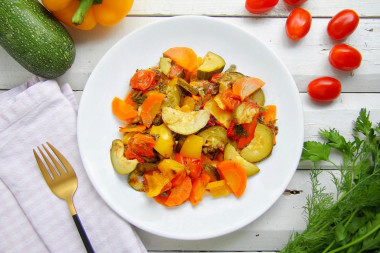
{"x":351,"y":221}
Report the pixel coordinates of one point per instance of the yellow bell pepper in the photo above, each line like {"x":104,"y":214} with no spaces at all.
{"x":165,"y":142}
{"x":85,"y":14}
{"x":192,"y":147}
{"x":155,"y":183}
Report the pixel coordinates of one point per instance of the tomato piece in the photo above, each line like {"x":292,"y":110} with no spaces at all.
{"x":345,"y":57}
{"x":295,"y":2}
{"x":230,"y":100}
{"x":250,"y":130}
{"x":193,"y":165}
{"x":324,"y":89}
{"x":143,"y":79}
{"x":342,"y":24}
{"x":260,"y":6}
{"x":298,"y":24}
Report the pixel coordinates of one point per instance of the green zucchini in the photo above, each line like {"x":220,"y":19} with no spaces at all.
{"x":34,"y":38}
{"x":212,"y":64}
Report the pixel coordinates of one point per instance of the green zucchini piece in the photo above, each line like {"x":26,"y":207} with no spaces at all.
{"x":165,"y":65}
{"x":212,"y":64}
{"x":187,"y":86}
{"x":34,"y":38}
{"x":257,"y":97}
{"x":230,"y":153}
{"x":245,"y":112}
{"x":261,"y":145}
{"x":173,"y":94}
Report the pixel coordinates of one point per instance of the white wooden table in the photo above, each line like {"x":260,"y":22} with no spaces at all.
{"x":306,"y":60}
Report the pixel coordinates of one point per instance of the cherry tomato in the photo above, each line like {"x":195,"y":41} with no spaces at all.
{"x":298,"y":24}
{"x":295,"y":2}
{"x":260,"y":6}
{"x":343,"y":24}
{"x":324,"y":89}
{"x":345,"y":57}
{"x":143,"y":79}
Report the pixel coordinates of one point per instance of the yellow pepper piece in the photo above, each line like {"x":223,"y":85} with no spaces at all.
{"x":165,"y":142}
{"x":85,"y":14}
{"x":218,"y":188}
{"x":169,"y":168}
{"x":155,"y":182}
{"x":192,"y":147}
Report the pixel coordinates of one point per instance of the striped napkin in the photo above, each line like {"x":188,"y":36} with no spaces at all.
{"x":32,"y":218}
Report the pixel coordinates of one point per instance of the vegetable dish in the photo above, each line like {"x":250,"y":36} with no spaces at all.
{"x":191,"y":128}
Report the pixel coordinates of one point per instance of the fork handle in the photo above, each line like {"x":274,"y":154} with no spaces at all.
{"x":83,"y":234}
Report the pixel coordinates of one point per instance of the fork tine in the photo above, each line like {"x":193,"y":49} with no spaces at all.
{"x":57,"y":165}
{"x":51,"y":168}
{"x":42,"y":167}
{"x":63,"y":160}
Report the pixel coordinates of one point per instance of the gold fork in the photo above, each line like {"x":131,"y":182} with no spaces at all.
{"x":63,"y":183}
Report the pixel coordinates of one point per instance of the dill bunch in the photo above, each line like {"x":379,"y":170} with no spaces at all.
{"x":350,"y":221}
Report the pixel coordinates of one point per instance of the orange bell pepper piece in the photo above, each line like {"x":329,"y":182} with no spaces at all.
{"x":245,"y":86}
{"x":184,"y":57}
{"x":85,"y":14}
{"x":269,"y":115}
{"x":235,"y":176}
{"x":151,"y":107}
{"x":198,"y":189}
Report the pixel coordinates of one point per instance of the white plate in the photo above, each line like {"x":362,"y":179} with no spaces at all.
{"x":97,"y":127}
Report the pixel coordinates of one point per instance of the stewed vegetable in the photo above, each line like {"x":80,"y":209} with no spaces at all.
{"x":191,"y":130}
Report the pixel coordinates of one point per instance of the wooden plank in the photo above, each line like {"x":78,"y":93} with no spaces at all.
{"x":319,"y":8}
{"x":270,"y":232}
{"x":305,"y":59}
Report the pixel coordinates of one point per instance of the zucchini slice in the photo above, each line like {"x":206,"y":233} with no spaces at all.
{"x":230,"y":153}
{"x":261,"y":145}
{"x":212,"y":64}
{"x":185,"y":123}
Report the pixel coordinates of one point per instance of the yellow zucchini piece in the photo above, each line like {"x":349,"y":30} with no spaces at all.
{"x":261,"y":145}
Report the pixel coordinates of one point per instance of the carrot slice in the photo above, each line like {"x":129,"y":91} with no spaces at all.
{"x":179,"y":194}
{"x":235,"y":176}
{"x":122,"y":110}
{"x":184,"y":57}
{"x":245,"y":86}
{"x":151,"y":107}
